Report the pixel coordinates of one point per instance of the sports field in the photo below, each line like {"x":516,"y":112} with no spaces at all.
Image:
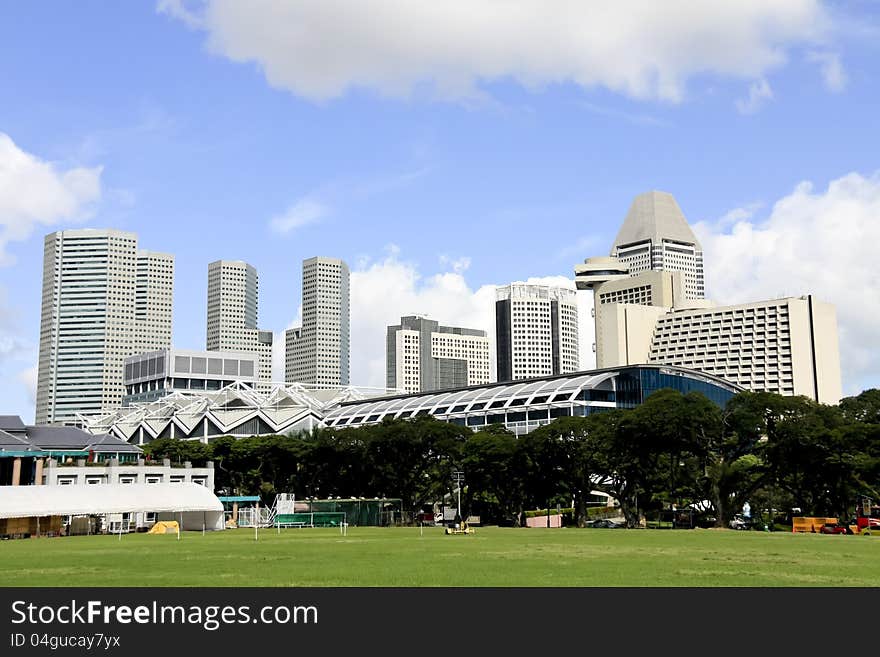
{"x":405,"y":557}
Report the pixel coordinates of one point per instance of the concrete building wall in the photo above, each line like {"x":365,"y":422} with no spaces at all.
{"x":290,"y":354}
{"x":95,"y":301}
{"x":422,"y":355}
{"x":466,"y":354}
{"x":151,"y":375}
{"x":80,"y":474}
{"x":233,"y":302}
{"x":827,"y":352}
{"x":624,"y":333}
{"x":408,"y":361}
{"x":154,"y":301}
{"x":321,"y":351}
{"x":536,"y":331}
{"x":767,"y":345}
{"x":659,"y":289}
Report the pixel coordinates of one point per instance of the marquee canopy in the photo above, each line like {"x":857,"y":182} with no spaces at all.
{"x":30,"y":501}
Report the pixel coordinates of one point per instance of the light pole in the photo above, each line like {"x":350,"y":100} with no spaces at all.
{"x":458,"y":477}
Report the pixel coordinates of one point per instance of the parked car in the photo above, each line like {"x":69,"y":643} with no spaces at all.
{"x":835,"y":528}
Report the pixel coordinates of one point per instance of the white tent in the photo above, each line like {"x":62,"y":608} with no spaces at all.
{"x":191,"y":503}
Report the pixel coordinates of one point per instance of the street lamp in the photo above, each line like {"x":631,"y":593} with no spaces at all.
{"x":458,"y":477}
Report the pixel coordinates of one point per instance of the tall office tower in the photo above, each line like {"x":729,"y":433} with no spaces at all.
{"x":233,"y":289}
{"x":90,"y":322}
{"x":421,"y":356}
{"x":656,"y":236}
{"x":536,"y":331}
{"x":291,"y":336}
{"x":154,"y":297}
{"x":318,"y":351}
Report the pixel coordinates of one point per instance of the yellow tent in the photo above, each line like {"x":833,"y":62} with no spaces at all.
{"x":165,"y":527}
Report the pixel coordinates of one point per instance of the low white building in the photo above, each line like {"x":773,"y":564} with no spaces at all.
{"x":79,"y":474}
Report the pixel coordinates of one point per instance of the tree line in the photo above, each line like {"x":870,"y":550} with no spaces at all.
{"x":674,"y":449}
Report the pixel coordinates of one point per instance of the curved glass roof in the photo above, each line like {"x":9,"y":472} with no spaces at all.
{"x":554,"y":390}
{"x":464,"y":400}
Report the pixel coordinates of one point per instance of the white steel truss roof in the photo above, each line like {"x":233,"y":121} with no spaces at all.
{"x":236,"y":409}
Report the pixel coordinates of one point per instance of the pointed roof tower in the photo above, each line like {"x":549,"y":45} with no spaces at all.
{"x":654,"y":216}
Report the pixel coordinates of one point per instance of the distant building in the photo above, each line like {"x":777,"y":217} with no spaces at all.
{"x":103,"y":300}
{"x":536,"y":331}
{"x":154,"y":298}
{"x":233,"y":291}
{"x":421,"y":355}
{"x":788,"y":346}
{"x":649,"y":308}
{"x":24,"y":449}
{"x":154,"y":374}
{"x":656,"y":236}
{"x":318,"y":351}
{"x":647,"y":294}
{"x":291,"y":338}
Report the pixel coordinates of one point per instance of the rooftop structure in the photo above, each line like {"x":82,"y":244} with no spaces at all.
{"x":236,"y":410}
{"x":524,"y":405}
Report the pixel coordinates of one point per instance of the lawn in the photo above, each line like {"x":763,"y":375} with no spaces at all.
{"x":406,"y":557}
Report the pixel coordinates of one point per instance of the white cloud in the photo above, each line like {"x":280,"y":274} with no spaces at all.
{"x":302,"y":213}
{"x":832,"y":70}
{"x":177,"y":9}
{"x":34,"y":193}
{"x":384,"y":291}
{"x":822,"y":243}
{"x":759,"y":93}
{"x":740,"y":214}
{"x":28,"y":378}
{"x":458,"y":265}
{"x":15,"y":352}
{"x":641,"y":48}
{"x":334,"y":195}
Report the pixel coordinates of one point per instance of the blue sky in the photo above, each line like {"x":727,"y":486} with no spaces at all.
{"x":440,"y":150}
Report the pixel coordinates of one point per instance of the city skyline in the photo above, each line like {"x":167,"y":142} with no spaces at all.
{"x":238,"y":283}
{"x":442,"y":179}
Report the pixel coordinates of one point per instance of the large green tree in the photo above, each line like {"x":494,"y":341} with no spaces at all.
{"x":496,"y":470}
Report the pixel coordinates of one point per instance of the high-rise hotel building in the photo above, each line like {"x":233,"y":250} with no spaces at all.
{"x":422,"y":356}
{"x":658,"y":315}
{"x":318,"y":351}
{"x":103,"y":300}
{"x":536,"y":331}
{"x":233,"y":291}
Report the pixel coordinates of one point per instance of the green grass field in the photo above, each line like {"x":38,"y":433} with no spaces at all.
{"x":401,"y":557}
